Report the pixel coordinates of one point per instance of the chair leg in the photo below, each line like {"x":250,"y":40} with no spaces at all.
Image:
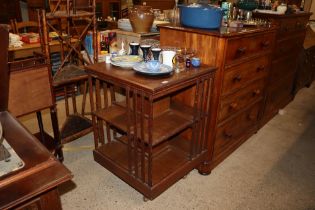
{"x":41,"y":127}
{"x":84,"y":97}
{"x":54,"y":121}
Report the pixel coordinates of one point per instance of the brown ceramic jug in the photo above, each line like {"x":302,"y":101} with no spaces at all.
{"x":141,"y":18}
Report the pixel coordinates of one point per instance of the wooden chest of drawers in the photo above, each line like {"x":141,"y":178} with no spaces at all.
{"x":242,"y":92}
{"x":289,"y":43}
{"x":243,"y":58}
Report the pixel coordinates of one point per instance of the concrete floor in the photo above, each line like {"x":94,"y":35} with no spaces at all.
{"x":274,"y":169}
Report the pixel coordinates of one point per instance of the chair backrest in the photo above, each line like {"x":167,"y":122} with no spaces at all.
{"x":23,"y":27}
{"x":30,"y":86}
{"x":4,"y":75}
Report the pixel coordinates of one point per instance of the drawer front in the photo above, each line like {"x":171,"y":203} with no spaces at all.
{"x":280,"y":95}
{"x":287,"y":26}
{"x":248,"y":46}
{"x":231,"y":105}
{"x":230,"y":132}
{"x":282,"y":67}
{"x":301,"y":23}
{"x":243,"y":74}
{"x":291,"y":45}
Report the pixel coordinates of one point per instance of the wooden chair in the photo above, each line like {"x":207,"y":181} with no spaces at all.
{"x":23,"y":27}
{"x":70,"y":75}
{"x":71,"y":6}
{"x":30,"y":91}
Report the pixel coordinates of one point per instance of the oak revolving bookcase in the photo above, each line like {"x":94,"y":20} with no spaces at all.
{"x":153,"y":138}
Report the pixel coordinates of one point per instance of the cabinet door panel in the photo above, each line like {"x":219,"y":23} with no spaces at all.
{"x":291,"y":45}
{"x":281,"y":68}
{"x":280,"y":95}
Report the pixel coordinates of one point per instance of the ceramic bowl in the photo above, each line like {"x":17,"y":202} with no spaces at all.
{"x":153,"y":65}
{"x":195,"y":62}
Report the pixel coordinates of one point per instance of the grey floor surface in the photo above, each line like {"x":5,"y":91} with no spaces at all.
{"x":274,"y":169}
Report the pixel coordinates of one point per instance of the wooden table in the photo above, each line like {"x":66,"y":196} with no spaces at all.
{"x":35,"y":185}
{"x":27,"y":49}
{"x":158,"y":138}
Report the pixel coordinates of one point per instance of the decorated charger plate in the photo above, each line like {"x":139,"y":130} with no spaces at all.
{"x":126,"y":61}
{"x":142,"y":69}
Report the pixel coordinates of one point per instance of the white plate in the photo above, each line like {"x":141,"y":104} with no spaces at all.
{"x":141,"y":68}
{"x":123,"y":65}
{"x":268,"y":11}
{"x":127,"y":59}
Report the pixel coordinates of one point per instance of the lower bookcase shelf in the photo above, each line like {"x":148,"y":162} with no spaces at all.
{"x":170,"y":161}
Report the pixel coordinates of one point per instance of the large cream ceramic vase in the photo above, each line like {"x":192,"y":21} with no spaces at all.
{"x":141,"y":18}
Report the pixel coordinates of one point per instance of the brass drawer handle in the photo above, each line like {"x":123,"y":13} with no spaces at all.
{"x":260,"y":68}
{"x":233,"y":105}
{"x":237,"y":78}
{"x":251,"y":117}
{"x":241,"y":50}
{"x":256,"y":92}
{"x":228,"y":134}
{"x":265,"y":44}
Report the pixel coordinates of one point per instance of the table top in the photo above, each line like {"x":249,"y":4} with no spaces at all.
{"x":41,"y":171}
{"x":225,"y":32}
{"x":151,"y":84}
{"x":27,"y":46}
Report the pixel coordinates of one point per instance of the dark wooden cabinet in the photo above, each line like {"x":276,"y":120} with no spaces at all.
{"x":10,"y":9}
{"x":33,"y":6}
{"x":289,"y":43}
{"x":161,"y":4}
{"x":105,"y":8}
{"x":306,"y":63}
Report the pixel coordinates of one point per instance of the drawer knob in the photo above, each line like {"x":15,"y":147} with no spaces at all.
{"x":251,"y":116}
{"x":241,"y":50}
{"x":233,"y":105}
{"x":256,"y":92}
{"x":237,"y":78}
{"x":298,"y":25}
{"x":260,"y":68}
{"x":265,"y":44}
{"x":228,"y":134}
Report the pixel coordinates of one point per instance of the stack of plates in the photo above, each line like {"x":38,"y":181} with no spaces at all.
{"x":126,"y":61}
{"x":142,"y":69}
{"x":124,"y":24}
